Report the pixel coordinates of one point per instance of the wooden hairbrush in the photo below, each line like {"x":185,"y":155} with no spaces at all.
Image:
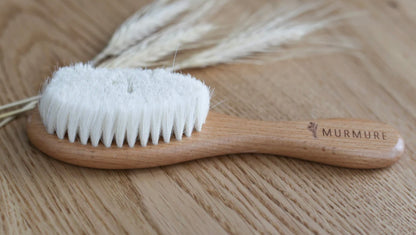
{"x":72,"y":112}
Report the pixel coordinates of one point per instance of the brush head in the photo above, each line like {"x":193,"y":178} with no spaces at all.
{"x":102,"y":104}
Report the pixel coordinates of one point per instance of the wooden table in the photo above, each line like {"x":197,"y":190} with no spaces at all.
{"x":237,"y":194}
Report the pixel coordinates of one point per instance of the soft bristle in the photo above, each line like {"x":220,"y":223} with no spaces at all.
{"x":96,"y":104}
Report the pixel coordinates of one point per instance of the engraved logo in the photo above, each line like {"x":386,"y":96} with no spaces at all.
{"x":354,"y":134}
{"x":313,"y":127}
{"x":346,"y":133}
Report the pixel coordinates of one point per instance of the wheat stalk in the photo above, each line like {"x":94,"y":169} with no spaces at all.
{"x":149,"y":37}
{"x":265,"y":36}
{"x":187,"y":33}
{"x":165,"y":46}
{"x":29,"y":103}
{"x":9,"y":116}
{"x":140,"y":25}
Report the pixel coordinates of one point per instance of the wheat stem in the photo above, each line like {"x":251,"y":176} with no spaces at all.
{"x":25,"y":108}
{"x":20,"y":102}
{"x":6,"y":120}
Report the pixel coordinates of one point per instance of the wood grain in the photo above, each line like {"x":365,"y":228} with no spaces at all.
{"x":239,"y":194}
{"x":352,"y":143}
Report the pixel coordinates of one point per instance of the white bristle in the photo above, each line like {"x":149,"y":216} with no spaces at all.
{"x":125,"y":105}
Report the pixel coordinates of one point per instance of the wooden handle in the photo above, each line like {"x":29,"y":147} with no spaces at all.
{"x":339,"y":142}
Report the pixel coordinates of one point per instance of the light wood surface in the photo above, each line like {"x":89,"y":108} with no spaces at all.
{"x":238,"y":194}
{"x":351,"y":143}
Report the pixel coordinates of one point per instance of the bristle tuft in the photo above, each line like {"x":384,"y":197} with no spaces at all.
{"x":122,"y":105}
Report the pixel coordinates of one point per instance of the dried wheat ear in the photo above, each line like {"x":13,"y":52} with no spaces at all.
{"x":152,"y":36}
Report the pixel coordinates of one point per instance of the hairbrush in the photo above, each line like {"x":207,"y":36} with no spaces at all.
{"x":104,"y":118}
